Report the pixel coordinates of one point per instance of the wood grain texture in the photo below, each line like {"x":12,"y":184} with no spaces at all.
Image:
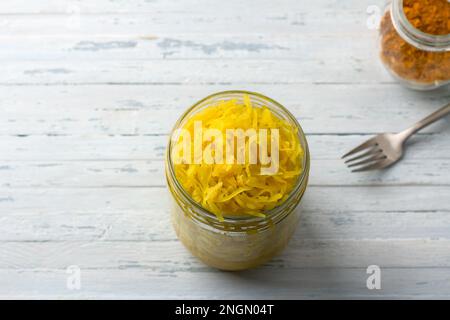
{"x":89,"y":91}
{"x":179,"y":7}
{"x":152,"y":109}
{"x":309,"y":283}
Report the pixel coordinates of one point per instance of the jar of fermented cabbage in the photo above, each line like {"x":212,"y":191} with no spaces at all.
{"x":228,"y":215}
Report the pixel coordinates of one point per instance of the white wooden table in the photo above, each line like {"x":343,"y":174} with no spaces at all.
{"x":89,"y":91}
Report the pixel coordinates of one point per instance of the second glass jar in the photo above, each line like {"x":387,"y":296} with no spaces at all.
{"x":419,"y":60}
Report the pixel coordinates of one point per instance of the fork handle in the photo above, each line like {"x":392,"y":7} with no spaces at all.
{"x":442,"y":112}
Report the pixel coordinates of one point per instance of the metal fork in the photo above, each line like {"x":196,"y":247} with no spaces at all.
{"x":386,"y":149}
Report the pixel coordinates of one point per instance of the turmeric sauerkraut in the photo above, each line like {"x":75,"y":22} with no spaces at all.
{"x":233,"y":188}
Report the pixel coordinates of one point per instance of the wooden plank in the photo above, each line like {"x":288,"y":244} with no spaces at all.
{"x":50,"y":148}
{"x":197,"y":71}
{"x":153,"y":109}
{"x":321,"y":283}
{"x":146,"y":46}
{"x":77,"y":22}
{"x":337,"y":200}
{"x":168,"y":256}
{"x":140,"y":173}
{"x":154,"y":225}
{"x":180,"y":7}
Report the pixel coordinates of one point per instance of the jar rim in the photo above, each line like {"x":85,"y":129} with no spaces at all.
{"x":270,"y":214}
{"x":415,"y":36}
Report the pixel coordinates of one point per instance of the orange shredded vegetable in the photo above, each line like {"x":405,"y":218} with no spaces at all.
{"x":233,"y":189}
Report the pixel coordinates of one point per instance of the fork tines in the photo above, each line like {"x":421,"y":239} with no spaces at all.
{"x":369,"y":156}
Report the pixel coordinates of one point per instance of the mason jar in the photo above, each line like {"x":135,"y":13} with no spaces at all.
{"x":419,"y":60}
{"x":237,"y":242}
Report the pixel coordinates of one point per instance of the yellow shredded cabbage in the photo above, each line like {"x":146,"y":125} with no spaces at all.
{"x":231,"y":189}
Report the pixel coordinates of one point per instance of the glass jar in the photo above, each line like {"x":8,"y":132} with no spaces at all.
{"x":417,"y":59}
{"x":241,"y":242}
